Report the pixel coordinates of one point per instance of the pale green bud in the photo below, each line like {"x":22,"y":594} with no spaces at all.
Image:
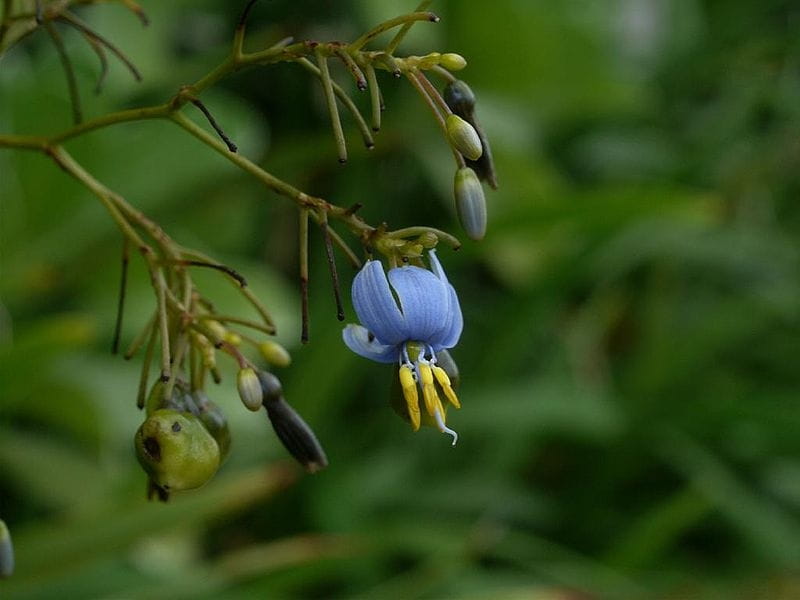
{"x":429,"y":60}
{"x":6,"y":552}
{"x":463,"y":137}
{"x":275,"y":354}
{"x":249,"y":389}
{"x":470,"y":203}
{"x":452,"y":61}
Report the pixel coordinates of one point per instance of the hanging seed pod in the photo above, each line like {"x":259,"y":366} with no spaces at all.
{"x":176,"y":450}
{"x":6,"y":552}
{"x":180,"y":400}
{"x":249,"y":389}
{"x":214,"y":421}
{"x":470,"y":203}
{"x":270,"y":386}
{"x":461,"y":100}
{"x":295,"y":435}
{"x":293,"y":432}
{"x":463,"y":137}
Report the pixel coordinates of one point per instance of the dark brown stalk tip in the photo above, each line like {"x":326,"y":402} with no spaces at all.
{"x":370,"y":146}
{"x":353,"y":209}
{"x":246,"y":13}
{"x":376,"y":129}
{"x":433,"y":17}
{"x":164,"y":378}
{"x":362,"y":85}
{"x":342,"y":160}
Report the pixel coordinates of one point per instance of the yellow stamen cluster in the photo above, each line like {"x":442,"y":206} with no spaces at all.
{"x":410,"y":393}
{"x":433,"y":403}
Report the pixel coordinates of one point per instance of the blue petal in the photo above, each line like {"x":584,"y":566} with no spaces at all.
{"x":448,"y":335}
{"x":450,"y":332}
{"x":436,"y":266}
{"x":423,"y":299}
{"x":375,"y":305}
{"x":358,"y":340}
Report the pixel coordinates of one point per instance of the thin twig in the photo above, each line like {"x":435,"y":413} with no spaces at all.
{"x":246,"y":13}
{"x":139,"y":339}
{"x":69,"y":72}
{"x":333,"y":110}
{"x":219,"y":267}
{"x":303,"y":258}
{"x":123,"y":286}
{"x":138,"y":11}
{"x":239,"y":321}
{"x":337,"y":292}
{"x":375,"y":96}
{"x":344,"y":99}
{"x":350,"y":64}
{"x":213,"y":122}
{"x":404,"y":29}
{"x":390,"y":24}
{"x":39,"y":11}
{"x":76,"y":22}
{"x":100,"y":51}
{"x":444,"y":73}
{"x":413,"y":77}
{"x":148,"y":359}
{"x":161,"y":294}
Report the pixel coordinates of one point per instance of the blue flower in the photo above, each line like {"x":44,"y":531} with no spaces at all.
{"x":426,"y":320}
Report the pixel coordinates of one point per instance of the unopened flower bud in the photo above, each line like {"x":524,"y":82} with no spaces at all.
{"x":217,"y":328}
{"x":452,"y":61}
{"x":6,"y":552}
{"x":463,"y":137}
{"x":470,"y":203}
{"x":233,"y":338}
{"x":249,"y":388}
{"x":461,"y":100}
{"x":275,"y":354}
{"x":176,"y":451}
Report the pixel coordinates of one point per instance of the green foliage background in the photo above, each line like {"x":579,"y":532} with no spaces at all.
{"x":629,"y":362}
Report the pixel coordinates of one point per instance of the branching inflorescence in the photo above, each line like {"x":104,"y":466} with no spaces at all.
{"x":185,"y":334}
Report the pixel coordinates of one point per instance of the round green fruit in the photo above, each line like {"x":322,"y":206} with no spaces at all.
{"x":176,"y":450}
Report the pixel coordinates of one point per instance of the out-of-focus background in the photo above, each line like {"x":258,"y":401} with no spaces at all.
{"x":631,"y":416}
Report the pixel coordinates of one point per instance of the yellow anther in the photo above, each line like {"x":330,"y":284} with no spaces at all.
{"x":425,"y":373}
{"x":410,"y":394}
{"x":447,"y":388}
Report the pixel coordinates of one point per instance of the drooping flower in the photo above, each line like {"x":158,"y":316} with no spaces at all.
{"x":426,"y":320}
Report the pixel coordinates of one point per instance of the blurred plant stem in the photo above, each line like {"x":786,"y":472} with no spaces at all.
{"x":319,"y":209}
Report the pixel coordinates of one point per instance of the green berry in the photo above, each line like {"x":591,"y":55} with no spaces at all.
{"x":176,"y":450}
